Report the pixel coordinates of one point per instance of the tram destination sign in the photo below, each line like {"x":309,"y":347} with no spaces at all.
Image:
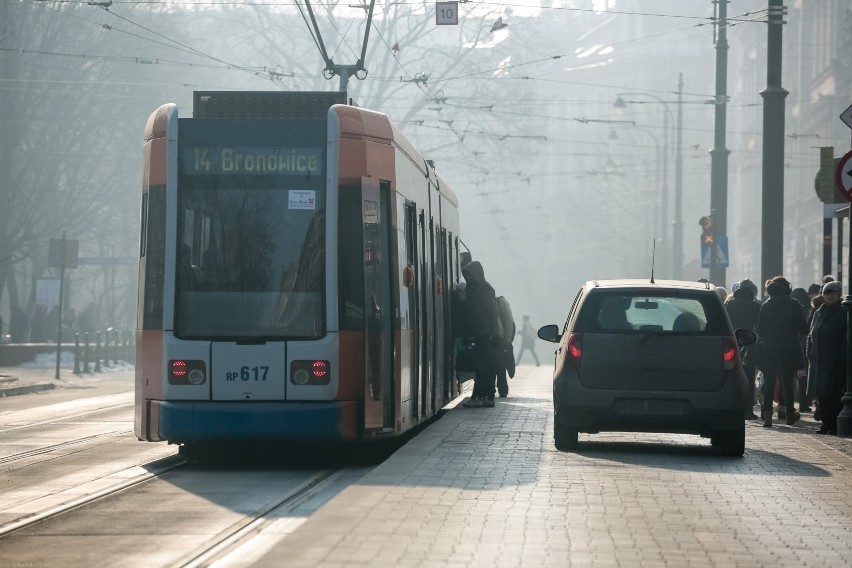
{"x":228,"y":160}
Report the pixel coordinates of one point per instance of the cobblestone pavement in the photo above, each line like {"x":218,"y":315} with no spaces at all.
{"x":485,"y":487}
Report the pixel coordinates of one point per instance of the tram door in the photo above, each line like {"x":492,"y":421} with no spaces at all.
{"x":411,"y":294}
{"x":378,"y":308}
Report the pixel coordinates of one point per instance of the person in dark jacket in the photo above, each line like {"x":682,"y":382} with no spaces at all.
{"x":481,"y":321}
{"x":801,"y":296}
{"x":743,"y":310}
{"x":779,"y":325}
{"x":505,"y":357}
{"x":826,"y":350}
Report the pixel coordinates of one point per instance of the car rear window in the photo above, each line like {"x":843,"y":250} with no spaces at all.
{"x":641,"y":311}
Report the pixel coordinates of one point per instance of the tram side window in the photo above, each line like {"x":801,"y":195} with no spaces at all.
{"x":351,"y":266}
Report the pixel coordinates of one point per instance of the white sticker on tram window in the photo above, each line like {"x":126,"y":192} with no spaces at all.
{"x":302,"y":199}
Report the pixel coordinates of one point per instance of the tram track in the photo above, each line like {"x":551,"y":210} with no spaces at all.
{"x":166,"y":465}
{"x":252,"y":525}
{"x":66,"y":418}
{"x":63,"y":445}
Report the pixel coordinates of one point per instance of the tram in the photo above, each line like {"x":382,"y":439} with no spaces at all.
{"x":296,"y":259}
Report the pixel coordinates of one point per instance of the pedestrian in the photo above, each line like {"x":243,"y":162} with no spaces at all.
{"x":826,"y":353}
{"x":814,"y":290}
{"x":481,"y":321}
{"x":779,"y":325}
{"x":86,"y":321}
{"x":743,"y":310}
{"x":505,"y":356}
{"x":801,"y":296}
{"x":17,"y":325}
{"x":816,"y":302}
{"x":528,"y":337}
{"x":460,"y":347}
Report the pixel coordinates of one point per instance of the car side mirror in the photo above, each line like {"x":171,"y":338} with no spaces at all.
{"x":745,"y":337}
{"x":550,"y":333}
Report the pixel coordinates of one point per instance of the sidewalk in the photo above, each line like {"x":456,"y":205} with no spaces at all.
{"x":485,"y":487}
{"x":40,"y":375}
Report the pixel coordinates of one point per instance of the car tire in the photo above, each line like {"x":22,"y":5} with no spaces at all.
{"x":730,"y":443}
{"x":564,"y":437}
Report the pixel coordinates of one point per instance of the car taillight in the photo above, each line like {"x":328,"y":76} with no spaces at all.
{"x":310,"y":372}
{"x":187,"y":372}
{"x":730,"y":350}
{"x":575,"y":349}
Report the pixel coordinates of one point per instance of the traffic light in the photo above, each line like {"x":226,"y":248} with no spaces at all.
{"x":707,"y":236}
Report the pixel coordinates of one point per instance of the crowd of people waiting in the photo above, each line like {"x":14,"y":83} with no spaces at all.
{"x":800,"y":354}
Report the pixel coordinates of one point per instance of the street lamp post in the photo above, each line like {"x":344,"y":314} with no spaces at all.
{"x":677,"y":225}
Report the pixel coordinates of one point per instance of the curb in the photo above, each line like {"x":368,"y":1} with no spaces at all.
{"x":26,"y":388}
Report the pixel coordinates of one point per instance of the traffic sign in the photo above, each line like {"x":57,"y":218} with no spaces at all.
{"x":843,"y":175}
{"x":721,"y":253}
{"x":446,"y":13}
{"x":846,"y":116}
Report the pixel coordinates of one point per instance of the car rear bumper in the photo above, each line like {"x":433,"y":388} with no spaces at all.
{"x":596,"y":410}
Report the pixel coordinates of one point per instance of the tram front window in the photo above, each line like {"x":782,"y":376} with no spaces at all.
{"x":249,"y":264}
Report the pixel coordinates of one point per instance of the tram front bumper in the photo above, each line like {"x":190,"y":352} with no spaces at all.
{"x":190,"y":421}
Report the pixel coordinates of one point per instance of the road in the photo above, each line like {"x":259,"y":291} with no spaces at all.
{"x":479,"y":487}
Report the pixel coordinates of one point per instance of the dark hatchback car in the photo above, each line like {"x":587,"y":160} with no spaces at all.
{"x":643,"y":356}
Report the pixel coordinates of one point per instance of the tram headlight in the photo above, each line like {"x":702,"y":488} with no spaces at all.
{"x":187,"y":372}
{"x":310,"y":372}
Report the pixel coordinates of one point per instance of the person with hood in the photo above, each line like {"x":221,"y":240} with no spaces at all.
{"x":826,"y":351}
{"x":743,"y":310}
{"x":779,"y":325}
{"x":481,"y":322}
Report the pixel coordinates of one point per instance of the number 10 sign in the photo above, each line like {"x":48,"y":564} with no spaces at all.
{"x":447,"y":13}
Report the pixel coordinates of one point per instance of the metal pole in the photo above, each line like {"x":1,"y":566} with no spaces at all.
{"x":677,"y":230}
{"x":839,"y":272}
{"x":827,"y":230}
{"x":719,"y":153}
{"x":844,"y":419}
{"x":59,"y":322}
{"x":772,"y":210}
{"x":664,"y":199}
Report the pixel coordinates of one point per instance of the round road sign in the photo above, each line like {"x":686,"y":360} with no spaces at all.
{"x":843,"y":175}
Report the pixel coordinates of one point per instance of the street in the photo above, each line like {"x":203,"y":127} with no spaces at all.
{"x":477,"y":487}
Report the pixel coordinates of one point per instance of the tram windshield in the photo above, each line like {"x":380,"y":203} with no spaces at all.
{"x":250,"y":230}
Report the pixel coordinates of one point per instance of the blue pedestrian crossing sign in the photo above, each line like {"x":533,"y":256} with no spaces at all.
{"x":721,"y":244}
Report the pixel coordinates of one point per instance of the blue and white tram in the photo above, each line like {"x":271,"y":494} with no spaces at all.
{"x":295,"y":264}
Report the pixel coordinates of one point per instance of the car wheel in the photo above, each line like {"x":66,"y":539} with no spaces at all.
{"x":564,"y":437}
{"x":730,"y":443}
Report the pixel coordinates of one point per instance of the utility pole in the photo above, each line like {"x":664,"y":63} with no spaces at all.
{"x":677,"y":228}
{"x":719,"y":153}
{"x":772,"y":230}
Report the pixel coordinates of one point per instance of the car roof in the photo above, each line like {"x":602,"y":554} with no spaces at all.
{"x":628,"y":283}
